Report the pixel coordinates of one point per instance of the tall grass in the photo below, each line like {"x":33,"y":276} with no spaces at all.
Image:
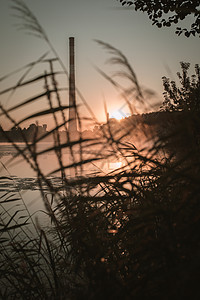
{"x":132,"y":233}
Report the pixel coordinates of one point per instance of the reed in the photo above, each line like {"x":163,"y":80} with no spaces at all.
{"x":132,"y":233}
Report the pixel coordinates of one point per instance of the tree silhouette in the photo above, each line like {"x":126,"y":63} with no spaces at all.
{"x":164,"y":13}
{"x":186,"y":97}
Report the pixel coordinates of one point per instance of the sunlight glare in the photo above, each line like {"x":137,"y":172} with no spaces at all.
{"x":115,"y":165}
{"x":116,"y":114}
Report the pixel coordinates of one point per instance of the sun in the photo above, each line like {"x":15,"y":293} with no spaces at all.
{"x":116,"y":114}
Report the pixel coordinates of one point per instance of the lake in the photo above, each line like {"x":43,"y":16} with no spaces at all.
{"x":17,"y":177}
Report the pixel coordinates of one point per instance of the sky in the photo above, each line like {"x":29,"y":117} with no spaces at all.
{"x":152,"y":52}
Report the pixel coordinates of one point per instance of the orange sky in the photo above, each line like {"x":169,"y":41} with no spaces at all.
{"x":152,"y":52}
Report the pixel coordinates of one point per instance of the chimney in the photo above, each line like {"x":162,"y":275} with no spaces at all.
{"x":72,"y":127}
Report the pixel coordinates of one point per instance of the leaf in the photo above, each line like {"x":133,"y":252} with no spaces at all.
{"x":30,"y":100}
{"x":30,"y":65}
{"x":5,"y":177}
{"x":5,"y":229}
{"x":44,"y":112}
{"x":10,"y":200}
{"x":76,"y":164}
{"x":3,"y":240}
{"x":65,"y":145}
{"x":28,"y":82}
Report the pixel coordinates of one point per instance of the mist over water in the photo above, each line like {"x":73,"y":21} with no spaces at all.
{"x":19,"y":177}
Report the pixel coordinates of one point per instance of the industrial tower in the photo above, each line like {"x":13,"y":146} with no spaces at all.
{"x":72,"y":126}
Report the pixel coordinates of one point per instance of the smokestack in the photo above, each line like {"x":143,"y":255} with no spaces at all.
{"x":72,"y":127}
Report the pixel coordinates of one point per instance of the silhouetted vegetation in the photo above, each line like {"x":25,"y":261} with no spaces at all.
{"x":182,"y":103}
{"x":165,"y":13}
{"x":132,"y":233}
{"x":17,"y":134}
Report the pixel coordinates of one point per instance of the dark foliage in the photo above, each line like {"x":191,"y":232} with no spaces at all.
{"x":129,"y":234}
{"x":183,"y":106}
{"x":186,"y":97}
{"x":164,"y":13}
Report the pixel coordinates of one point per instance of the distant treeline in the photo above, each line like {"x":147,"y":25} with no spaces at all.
{"x":155,"y":124}
{"x":17,"y":134}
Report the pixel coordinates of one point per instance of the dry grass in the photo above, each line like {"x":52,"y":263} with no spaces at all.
{"x":129,"y":234}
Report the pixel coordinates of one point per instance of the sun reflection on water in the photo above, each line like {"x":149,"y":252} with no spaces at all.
{"x":115,"y":165}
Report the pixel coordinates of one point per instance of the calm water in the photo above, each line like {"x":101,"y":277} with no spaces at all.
{"x":16,"y":175}
{"x":25,"y":178}
{"x":18,"y":179}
